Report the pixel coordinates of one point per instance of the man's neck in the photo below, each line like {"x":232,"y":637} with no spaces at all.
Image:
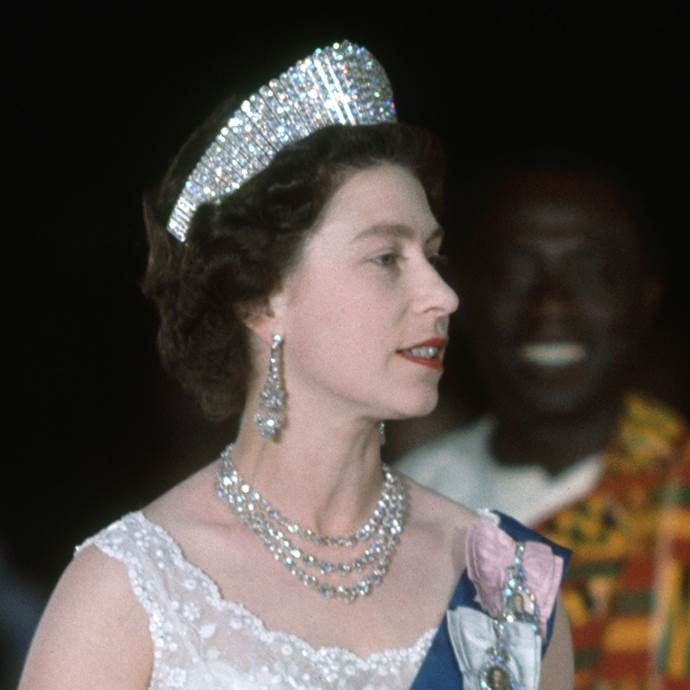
{"x":554,"y":442}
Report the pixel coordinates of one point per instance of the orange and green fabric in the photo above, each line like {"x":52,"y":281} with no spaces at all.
{"x":628,"y":587}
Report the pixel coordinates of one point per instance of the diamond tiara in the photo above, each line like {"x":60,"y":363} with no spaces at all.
{"x":342,"y":84}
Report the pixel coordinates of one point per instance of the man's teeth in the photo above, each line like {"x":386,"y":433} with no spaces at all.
{"x":426,"y":352}
{"x":553,"y":354}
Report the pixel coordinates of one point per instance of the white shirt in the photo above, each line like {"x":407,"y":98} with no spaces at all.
{"x":460,"y":466}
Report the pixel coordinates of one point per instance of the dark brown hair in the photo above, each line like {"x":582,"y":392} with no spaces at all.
{"x":238,"y":251}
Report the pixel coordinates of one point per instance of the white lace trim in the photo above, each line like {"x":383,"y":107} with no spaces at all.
{"x":265,"y":634}
{"x":173,"y":599}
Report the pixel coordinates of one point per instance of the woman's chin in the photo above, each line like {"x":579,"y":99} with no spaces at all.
{"x":415,"y":407}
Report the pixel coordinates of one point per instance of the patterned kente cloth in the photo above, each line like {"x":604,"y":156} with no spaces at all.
{"x":628,"y":588}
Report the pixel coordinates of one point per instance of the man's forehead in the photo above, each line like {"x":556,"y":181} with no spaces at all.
{"x":553,"y":214}
{"x":562,"y":222}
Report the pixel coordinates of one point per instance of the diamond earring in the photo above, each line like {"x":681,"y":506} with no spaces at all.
{"x":270,"y":418}
{"x":382,"y":433}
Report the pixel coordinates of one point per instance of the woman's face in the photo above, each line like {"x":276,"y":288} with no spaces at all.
{"x":365,"y":293}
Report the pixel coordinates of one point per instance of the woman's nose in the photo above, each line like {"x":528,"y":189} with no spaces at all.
{"x":436,"y":294}
{"x":449,"y":297}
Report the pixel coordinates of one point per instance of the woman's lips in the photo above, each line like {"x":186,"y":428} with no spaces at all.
{"x":428,"y":353}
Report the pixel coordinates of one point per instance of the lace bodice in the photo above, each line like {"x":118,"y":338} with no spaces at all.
{"x":204,"y":642}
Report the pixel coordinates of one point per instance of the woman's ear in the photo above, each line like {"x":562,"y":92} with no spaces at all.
{"x":265,"y":319}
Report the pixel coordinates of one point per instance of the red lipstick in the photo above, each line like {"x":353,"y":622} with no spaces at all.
{"x":428,"y":358}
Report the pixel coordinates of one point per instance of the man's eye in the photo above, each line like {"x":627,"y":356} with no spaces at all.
{"x":386,"y":260}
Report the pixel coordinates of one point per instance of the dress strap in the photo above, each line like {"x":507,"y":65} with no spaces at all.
{"x":128,"y":540}
{"x":168,"y":591}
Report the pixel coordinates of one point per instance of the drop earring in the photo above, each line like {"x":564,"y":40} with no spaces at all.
{"x":270,"y":418}
{"x":382,"y":433}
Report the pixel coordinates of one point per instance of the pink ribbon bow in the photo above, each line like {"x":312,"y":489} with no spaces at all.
{"x":490,"y":551}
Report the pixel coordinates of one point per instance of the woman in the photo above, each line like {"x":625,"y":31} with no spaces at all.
{"x":305,"y":237}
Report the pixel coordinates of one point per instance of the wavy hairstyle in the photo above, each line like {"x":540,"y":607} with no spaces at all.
{"x":238,"y":250}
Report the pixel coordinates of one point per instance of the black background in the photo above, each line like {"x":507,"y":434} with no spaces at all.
{"x":101,"y":99}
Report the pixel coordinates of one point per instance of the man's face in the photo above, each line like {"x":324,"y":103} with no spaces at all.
{"x":554,"y":292}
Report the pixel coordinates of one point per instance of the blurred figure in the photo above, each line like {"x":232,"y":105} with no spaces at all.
{"x":21,"y":604}
{"x":560,"y":285}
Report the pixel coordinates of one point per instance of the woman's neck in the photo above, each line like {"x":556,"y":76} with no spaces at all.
{"x":325,"y":476}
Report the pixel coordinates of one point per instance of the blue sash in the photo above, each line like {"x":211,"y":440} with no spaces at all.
{"x":439,"y":670}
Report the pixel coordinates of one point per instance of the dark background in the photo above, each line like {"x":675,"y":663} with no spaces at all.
{"x":100,"y":101}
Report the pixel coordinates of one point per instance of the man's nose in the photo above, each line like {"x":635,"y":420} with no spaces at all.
{"x":551,"y":298}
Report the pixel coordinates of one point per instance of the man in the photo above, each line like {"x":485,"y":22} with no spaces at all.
{"x":558,"y":292}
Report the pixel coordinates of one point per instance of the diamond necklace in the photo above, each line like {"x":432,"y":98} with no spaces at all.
{"x":382,"y":530}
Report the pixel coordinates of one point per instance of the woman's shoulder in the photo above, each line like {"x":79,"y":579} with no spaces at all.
{"x":92,"y":621}
{"x":469,"y":533}
{"x":188,"y":503}
{"x":435,"y":508}
{"x":113,"y":589}
{"x":449,"y":515}
{"x":441,"y":523}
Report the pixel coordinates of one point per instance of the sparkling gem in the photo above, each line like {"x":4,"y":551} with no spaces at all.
{"x":357,"y":92}
{"x":256,"y":513}
{"x":363,"y":588}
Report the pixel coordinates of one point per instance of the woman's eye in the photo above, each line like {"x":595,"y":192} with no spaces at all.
{"x":386,"y":260}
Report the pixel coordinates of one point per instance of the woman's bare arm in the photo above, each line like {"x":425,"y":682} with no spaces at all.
{"x":93,"y":634}
{"x":557,"y":671}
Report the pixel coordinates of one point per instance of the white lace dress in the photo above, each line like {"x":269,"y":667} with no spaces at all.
{"x":204,"y":642}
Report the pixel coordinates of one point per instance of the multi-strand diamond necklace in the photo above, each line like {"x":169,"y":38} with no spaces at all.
{"x":381,"y":532}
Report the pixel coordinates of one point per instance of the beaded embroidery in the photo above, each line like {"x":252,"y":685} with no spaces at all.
{"x":202,"y":641}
